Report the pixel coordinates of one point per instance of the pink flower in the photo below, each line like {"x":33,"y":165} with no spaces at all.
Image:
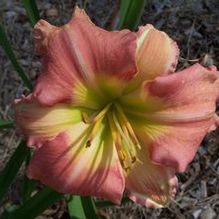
{"x":108,"y":114}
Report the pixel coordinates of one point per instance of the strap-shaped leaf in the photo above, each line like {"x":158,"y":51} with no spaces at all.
{"x":32,"y":11}
{"x":6,"y":124}
{"x":9,"y":52}
{"x":35,"y":205}
{"x":81,"y":207}
{"x":130,"y":13}
{"x":8,"y":211}
{"x":89,"y":207}
{"x":75,"y":207}
{"x":8,"y":174}
{"x":27,"y":189}
{"x":28,"y":184}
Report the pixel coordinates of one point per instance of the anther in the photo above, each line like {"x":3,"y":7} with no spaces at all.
{"x":133,"y":159}
{"x":127,"y":169}
{"x":88,"y":143}
{"x":85,"y":117}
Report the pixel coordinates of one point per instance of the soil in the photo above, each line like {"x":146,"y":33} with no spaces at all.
{"x":194,"y":24}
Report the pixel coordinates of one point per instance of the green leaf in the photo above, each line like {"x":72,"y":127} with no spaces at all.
{"x":28,"y":184}
{"x":89,"y":207}
{"x":130,"y":13}
{"x":28,"y":188}
{"x":8,"y":211}
{"x":81,"y":208}
{"x":9,"y":52}
{"x":6,"y":124}
{"x":75,"y":207}
{"x":32,"y":11}
{"x":35,"y":205}
{"x":8,"y":174}
{"x":103,"y":204}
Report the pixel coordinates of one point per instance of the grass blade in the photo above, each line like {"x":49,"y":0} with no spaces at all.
{"x":35,"y":205}
{"x":81,"y":208}
{"x":103,"y":204}
{"x":8,"y":174}
{"x":8,"y":211}
{"x":28,"y":187}
{"x":6,"y":124}
{"x":9,"y":52}
{"x":28,"y":184}
{"x":130,"y":13}
{"x":32,"y":11}
{"x":75,"y":207}
{"x":89,"y":207}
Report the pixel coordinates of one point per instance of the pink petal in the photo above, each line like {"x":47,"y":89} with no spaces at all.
{"x":76,"y":53}
{"x":188,"y":112}
{"x":157,"y":54}
{"x":149,"y":184}
{"x":215,"y":124}
{"x":39,"y":124}
{"x":58,"y":75}
{"x":68,"y":165}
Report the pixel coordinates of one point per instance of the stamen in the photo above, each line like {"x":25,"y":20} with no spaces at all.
{"x":122,"y":155}
{"x":84,"y":117}
{"x":88,"y":143}
{"x":95,"y":122}
{"x":122,"y":133}
{"x":127,"y":169}
{"x":133,"y":159}
{"x":120,"y":129}
{"x":115,"y":135}
{"x":94,"y":131}
{"x":102,"y":113}
{"x":128,"y":126}
{"x":127,"y":153}
{"x":94,"y":118}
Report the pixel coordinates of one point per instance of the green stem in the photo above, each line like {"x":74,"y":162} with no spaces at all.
{"x":9,"y":52}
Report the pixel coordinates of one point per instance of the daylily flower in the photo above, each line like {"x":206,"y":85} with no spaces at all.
{"x":108,"y":114}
